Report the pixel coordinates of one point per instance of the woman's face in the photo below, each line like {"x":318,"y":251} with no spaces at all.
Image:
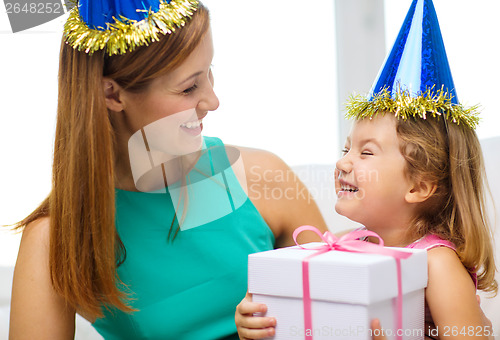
{"x":175,"y":104}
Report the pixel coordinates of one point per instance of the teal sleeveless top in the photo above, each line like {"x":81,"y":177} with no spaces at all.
{"x":187,"y":287}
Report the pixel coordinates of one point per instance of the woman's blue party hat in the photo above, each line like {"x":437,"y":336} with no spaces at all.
{"x":119,"y":26}
{"x":98,"y":14}
{"x":415,"y":79}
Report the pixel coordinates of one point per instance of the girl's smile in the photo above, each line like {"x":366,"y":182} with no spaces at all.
{"x":346,"y":188}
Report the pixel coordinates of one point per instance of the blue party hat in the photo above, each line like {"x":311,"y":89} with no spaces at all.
{"x":98,"y":14}
{"x":415,"y":79}
{"x":119,"y":26}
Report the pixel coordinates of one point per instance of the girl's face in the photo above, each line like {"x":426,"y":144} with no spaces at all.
{"x":371,"y":183}
{"x":183,"y":96}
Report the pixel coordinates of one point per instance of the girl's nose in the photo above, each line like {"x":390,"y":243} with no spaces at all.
{"x":344,"y":164}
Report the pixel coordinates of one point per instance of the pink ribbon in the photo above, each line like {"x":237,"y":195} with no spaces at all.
{"x":350,"y":243}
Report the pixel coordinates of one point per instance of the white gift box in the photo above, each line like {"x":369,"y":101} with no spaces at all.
{"x":347,"y":291}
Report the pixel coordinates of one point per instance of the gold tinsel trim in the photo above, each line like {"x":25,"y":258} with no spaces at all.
{"x":403,"y":105}
{"x":125,"y":35}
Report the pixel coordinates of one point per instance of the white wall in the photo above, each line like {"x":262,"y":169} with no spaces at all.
{"x":274,"y":72}
{"x":28,"y":98}
{"x":275,"y":77}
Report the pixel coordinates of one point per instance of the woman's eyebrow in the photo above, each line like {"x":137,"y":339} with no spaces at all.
{"x":190,"y":77}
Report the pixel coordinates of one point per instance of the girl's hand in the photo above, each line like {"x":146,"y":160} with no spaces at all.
{"x":250,"y":326}
{"x":487,"y":325}
{"x":377,"y":333}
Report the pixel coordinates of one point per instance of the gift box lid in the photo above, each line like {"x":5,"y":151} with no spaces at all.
{"x":335,"y":276}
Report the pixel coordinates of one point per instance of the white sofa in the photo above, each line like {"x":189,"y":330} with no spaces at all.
{"x":319,"y":179}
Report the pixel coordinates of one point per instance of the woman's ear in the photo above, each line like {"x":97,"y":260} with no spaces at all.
{"x":420,"y":191}
{"x":112,"y":94}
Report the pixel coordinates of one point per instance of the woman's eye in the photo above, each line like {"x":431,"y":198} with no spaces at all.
{"x":191,"y":89}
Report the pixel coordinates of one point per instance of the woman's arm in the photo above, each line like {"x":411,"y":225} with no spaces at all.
{"x":451,"y":297}
{"x":37,"y":312}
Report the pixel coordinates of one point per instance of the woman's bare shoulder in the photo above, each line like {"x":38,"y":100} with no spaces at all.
{"x":37,"y":311}
{"x":261,"y":164}
{"x":36,"y":233}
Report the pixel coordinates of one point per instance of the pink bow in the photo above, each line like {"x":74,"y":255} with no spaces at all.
{"x":350,"y":243}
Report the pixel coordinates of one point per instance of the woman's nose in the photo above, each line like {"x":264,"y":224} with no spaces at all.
{"x":210,"y":101}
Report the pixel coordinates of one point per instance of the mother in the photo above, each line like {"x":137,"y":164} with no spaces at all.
{"x":118,"y":256}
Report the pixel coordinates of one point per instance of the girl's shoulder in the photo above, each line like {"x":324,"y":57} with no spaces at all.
{"x":443,"y":259}
{"x":441,"y":253}
{"x":445,"y":269}
{"x":450,"y":292}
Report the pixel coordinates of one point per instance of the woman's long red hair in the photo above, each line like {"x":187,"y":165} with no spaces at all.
{"x":84,"y":247}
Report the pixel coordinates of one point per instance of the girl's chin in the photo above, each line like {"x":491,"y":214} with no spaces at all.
{"x":344,"y":211}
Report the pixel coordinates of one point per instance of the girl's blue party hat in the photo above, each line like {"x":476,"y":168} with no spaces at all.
{"x":415,"y":79}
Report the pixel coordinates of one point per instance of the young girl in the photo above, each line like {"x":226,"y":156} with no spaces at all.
{"x":409,"y":181}
{"x":412,"y":171}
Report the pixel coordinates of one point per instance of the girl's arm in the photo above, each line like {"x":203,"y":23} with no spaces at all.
{"x":451,"y":297}
{"x":37,"y":312}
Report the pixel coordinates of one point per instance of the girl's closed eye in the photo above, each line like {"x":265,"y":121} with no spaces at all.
{"x":345,"y":151}
{"x":367,"y":153}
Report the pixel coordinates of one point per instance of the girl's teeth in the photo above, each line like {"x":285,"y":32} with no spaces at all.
{"x":350,"y":189}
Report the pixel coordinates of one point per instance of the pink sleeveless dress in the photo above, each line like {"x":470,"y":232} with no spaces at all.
{"x":429,"y":242}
